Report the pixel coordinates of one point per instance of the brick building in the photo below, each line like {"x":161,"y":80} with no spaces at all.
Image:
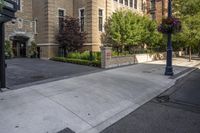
{"x":157,"y":9}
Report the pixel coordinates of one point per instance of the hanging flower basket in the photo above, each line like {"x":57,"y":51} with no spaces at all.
{"x":170,"y":25}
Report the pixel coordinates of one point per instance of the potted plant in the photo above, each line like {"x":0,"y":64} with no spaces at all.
{"x":33,"y":50}
{"x":170,"y":25}
{"x":8,"y":50}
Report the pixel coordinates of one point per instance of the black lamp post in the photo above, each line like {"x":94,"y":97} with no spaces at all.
{"x":169,"y":68}
{"x":6,"y":14}
{"x":2,"y":57}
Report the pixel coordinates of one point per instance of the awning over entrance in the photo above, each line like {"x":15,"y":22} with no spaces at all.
{"x":19,"y":43}
{"x":19,"y":36}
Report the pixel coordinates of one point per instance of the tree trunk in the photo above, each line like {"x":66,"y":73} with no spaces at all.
{"x":118,"y":50}
{"x":190,"y":53}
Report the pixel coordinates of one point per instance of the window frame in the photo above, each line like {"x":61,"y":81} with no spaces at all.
{"x":82,"y":27}
{"x":59,"y":17}
{"x":126,"y":2}
{"x":101,"y":29}
{"x":131,"y":3}
{"x":121,"y":1}
{"x":135,"y":4}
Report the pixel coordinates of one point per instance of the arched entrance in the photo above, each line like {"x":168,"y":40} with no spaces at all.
{"x":19,"y":45}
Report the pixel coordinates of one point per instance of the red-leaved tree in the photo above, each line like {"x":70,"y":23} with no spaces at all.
{"x":70,"y":36}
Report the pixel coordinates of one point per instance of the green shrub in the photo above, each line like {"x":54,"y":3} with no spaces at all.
{"x":96,"y":63}
{"x":8,"y":49}
{"x":77,"y":61}
{"x":33,"y":50}
{"x":85,"y":55}
{"x":97,"y":56}
{"x":60,"y":59}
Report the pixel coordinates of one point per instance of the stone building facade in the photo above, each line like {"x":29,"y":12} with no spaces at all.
{"x":21,"y":30}
{"x":39,"y":20}
{"x":92,"y":14}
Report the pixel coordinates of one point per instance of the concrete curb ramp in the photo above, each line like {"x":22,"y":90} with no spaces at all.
{"x":85,"y":104}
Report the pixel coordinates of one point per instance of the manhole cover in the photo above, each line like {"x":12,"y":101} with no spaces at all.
{"x":66,"y":130}
{"x":37,"y":77}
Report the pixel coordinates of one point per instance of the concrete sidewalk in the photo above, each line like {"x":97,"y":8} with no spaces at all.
{"x":85,"y":104}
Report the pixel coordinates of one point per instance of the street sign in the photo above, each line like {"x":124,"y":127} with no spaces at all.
{"x":8,"y":10}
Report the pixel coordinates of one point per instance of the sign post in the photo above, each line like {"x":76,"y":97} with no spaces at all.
{"x":7,"y":13}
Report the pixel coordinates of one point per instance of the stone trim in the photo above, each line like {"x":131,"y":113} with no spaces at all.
{"x":47,"y":44}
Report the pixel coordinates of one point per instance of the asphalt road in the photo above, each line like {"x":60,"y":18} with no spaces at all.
{"x":175,"y":111}
{"x":21,"y":72}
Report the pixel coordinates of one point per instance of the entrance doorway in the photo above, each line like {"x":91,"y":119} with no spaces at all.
{"x":19,"y":49}
{"x":22,"y":50}
{"x":19,"y":46}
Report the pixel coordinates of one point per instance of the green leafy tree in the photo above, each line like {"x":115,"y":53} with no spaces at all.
{"x":150,"y":35}
{"x":118,"y":30}
{"x":186,"y":7}
{"x":8,"y":49}
{"x":33,"y":50}
{"x":189,"y":12}
{"x":127,"y":29}
{"x":192,"y":32}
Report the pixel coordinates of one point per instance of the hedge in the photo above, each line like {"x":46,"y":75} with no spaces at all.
{"x":77,"y":61}
{"x":85,"y":55}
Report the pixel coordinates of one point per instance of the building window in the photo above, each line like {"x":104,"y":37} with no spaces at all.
{"x":61,"y":17}
{"x":126,"y":2}
{"x":100,"y":20}
{"x":135,"y":4}
{"x":131,"y":3}
{"x":116,"y":0}
{"x":35,"y":26}
{"x":152,"y":5}
{"x":152,"y":9}
{"x":143,"y":6}
{"x":82,"y":18}
{"x":121,"y":1}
